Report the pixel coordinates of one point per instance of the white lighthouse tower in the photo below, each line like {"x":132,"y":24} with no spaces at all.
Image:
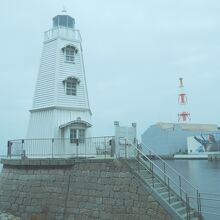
{"x":61,"y":105}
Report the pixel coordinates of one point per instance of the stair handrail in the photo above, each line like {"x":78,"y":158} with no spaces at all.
{"x":197,"y":202}
{"x":160,"y":169}
{"x":167,"y":176}
{"x":188,"y":205}
{"x":175,"y":171}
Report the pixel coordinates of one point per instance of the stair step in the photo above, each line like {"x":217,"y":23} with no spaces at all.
{"x":162,"y":189}
{"x":165,"y":194}
{"x":181,"y":210}
{"x":166,"y":197}
{"x":146,"y":175}
{"x":158,"y":184}
{"x":191,"y":213}
{"x":177,"y":204}
{"x":172,"y":199}
{"x":149,"y":178}
{"x":144,"y":171}
{"x":194,"y":218}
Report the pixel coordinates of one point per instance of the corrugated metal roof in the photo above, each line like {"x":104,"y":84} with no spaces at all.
{"x":189,"y":126}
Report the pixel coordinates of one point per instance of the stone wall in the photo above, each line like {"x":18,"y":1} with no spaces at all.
{"x":75,"y":189}
{"x":8,"y":216}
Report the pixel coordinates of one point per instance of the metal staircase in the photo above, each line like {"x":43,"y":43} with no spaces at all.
{"x":174,"y":192}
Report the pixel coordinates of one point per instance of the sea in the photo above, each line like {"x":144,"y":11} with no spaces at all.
{"x":205,"y":176}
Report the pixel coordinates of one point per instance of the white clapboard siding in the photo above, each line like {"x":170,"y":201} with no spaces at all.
{"x":45,"y":87}
{"x":41,"y":124}
{"x":72,"y":69}
{"x":45,"y":123}
{"x":51,"y":106}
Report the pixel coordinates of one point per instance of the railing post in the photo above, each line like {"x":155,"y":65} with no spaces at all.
{"x":22,"y":148}
{"x":187,"y":208}
{"x":198,"y":202}
{"x":168,"y":182}
{"x":200,"y":206}
{"x":77,"y":153}
{"x":138,"y":156}
{"x":85,"y":147}
{"x":164,"y":171}
{"x":105,"y":147}
{"x":152,"y":166}
{"x":77,"y":144}
{"x":125,"y":148}
{"x":180,"y":185}
{"x":22,"y":144}
{"x":9,"y":149}
{"x":52,"y":147}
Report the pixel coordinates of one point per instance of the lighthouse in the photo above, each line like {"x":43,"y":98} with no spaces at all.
{"x":61,"y":105}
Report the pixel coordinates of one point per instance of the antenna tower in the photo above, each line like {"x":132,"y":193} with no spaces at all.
{"x":184,"y":116}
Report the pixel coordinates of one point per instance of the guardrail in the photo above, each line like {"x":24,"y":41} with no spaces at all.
{"x":186,"y":190}
{"x":206,"y":205}
{"x":65,"y":32}
{"x":210,"y":205}
{"x":169,"y":177}
{"x":54,"y":147}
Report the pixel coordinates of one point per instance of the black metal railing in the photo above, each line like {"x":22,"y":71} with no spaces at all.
{"x":170,"y":178}
{"x":60,"y":147}
{"x":198,"y":204}
{"x":210,"y":205}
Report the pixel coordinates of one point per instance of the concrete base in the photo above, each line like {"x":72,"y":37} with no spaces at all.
{"x":214,"y":156}
{"x":191,"y":156}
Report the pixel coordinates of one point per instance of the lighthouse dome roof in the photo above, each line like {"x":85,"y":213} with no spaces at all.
{"x":63,"y":20}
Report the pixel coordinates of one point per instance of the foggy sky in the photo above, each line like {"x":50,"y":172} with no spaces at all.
{"x":134,"y":53}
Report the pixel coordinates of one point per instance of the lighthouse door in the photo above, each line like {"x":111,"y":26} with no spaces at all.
{"x":77,"y":135}
{"x":76,"y":146}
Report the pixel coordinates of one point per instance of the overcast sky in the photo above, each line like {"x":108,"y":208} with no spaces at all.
{"x":134,"y":53}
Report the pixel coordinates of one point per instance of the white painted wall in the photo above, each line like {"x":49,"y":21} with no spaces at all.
{"x":51,"y":106}
{"x":125,"y":138}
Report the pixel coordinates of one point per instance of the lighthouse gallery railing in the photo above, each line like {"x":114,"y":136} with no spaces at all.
{"x":61,"y":147}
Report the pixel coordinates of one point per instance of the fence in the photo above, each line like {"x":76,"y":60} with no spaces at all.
{"x":206,"y":204}
{"x":210,"y":205}
{"x":102,"y":147}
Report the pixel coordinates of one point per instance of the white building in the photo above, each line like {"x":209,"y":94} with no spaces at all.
{"x":61,"y":105}
{"x":171,"y":138}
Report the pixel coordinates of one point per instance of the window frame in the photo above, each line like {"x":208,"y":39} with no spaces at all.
{"x":75,"y":135}
{"x":70,"y":52}
{"x":71,"y":86}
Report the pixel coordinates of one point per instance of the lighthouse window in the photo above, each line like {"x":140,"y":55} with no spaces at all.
{"x":70,"y":51}
{"x":73,"y":135}
{"x":77,"y":135}
{"x":71,"y":84}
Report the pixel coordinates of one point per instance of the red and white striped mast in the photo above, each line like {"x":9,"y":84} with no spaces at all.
{"x":184,"y":116}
